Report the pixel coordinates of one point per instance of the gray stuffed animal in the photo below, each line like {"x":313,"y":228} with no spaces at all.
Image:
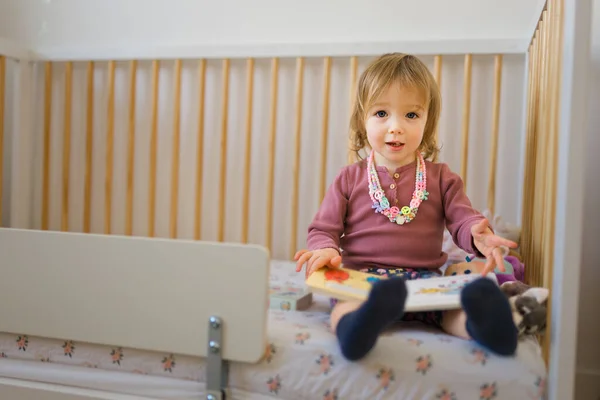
{"x":528,"y":306}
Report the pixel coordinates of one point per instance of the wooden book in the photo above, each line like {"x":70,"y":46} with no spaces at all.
{"x":428,"y":294}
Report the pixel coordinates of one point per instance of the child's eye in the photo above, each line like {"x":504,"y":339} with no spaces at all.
{"x":412,"y":115}
{"x":381,"y":114}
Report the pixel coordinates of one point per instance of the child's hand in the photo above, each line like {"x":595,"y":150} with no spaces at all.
{"x":317,"y":259}
{"x":490,"y":246}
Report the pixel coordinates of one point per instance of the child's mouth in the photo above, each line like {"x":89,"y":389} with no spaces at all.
{"x":395,"y":145}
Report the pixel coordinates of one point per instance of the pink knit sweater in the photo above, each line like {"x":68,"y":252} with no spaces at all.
{"x":347,"y":222}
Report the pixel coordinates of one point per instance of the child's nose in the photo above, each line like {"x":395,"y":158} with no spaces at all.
{"x":395,"y":126}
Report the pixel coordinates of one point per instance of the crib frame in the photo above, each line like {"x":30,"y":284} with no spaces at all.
{"x":557,"y":61}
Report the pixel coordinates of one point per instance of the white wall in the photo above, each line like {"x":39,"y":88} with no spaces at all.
{"x":74,"y":27}
{"x":588,"y":355}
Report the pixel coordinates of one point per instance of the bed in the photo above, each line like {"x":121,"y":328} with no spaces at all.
{"x":295,"y":358}
{"x":207,"y":180}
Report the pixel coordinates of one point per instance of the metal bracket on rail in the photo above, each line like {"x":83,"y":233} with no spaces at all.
{"x":217,"y":369}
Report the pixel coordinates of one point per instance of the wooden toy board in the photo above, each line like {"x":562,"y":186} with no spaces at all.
{"x":439,"y":293}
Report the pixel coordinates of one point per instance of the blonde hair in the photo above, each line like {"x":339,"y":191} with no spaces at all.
{"x":408,"y":71}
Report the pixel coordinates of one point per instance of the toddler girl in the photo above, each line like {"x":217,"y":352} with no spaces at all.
{"x":386,"y":214}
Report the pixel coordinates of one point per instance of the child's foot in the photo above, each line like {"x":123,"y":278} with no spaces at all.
{"x":357,"y":331}
{"x":489,"y":317}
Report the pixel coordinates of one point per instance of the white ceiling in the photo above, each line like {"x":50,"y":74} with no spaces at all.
{"x":56,"y":24}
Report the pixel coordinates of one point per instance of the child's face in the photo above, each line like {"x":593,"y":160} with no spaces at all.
{"x":395,"y":125}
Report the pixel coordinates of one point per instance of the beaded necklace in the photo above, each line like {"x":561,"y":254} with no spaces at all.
{"x":382,"y":205}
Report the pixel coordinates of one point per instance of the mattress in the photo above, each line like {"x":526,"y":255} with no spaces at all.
{"x":302,"y":362}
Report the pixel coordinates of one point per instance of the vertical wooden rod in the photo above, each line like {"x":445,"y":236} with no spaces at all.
{"x":66,"y":161}
{"x":89,"y":145}
{"x":466,"y":116}
{"x":495,"y":130}
{"x":541,"y":171}
{"x":437,"y":70}
{"x":153,"y":150}
{"x":297,"y":145}
{"x":556,"y":14}
{"x":224,"y":120}
{"x":200,"y":151}
{"x":46,"y":152}
{"x":272,"y":140}
{"x":131,"y":149}
{"x":539,"y":200}
{"x":524,"y":217}
{"x":353,"y":83}
{"x":175,"y":151}
{"x":2,"y":106}
{"x":248,"y":154}
{"x":525,"y":204}
{"x":110,"y":135}
{"x":325,"y":126}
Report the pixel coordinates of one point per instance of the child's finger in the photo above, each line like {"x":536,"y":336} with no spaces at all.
{"x":500,"y":241}
{"x":312,"y":265}
{"x":489,"y":266}
{"x":299,"y":253}
{"x":498,"y":255}
{"x":312,"y":260}
{"x":319,"y":263}
{"x":336,"y":261}
{"x":303,"y":259}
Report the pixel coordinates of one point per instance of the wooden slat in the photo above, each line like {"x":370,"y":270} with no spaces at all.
{"x":153,"y":151}
{"x":553,"y":49}
{"x":556,"y":9}
{"x":2,"y":107}
{"x":529,"y":146}
{"x":466,"y":116}
{"x":272,"y":140}
{"x":223,"y":169}
{"x":437,"y":71}
{"x":200,"y":151}
{"x":66,"y":161}
{"x":495,"y":129}
{"x":131,"y":149}
{"x":533,"y":160}
{"x":46,"y":151}
{"x":543,"y":155}
{"x":535,"y":228}
{"x":297,"y":145}
{"x":248,"y":152}
{"x":89,"y":145}
{"x":325,"y":126}
{"x":353,"y":84}
{"x":175,"y":151}
{"x":110,"y":149}
{"x":539,"y":200}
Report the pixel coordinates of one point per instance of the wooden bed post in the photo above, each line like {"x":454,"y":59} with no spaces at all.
{"x":2,"y":94}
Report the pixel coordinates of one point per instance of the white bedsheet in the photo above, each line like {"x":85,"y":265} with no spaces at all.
{"x":302,"y":362}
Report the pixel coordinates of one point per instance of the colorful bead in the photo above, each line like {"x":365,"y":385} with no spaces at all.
{"x":382,"y":205}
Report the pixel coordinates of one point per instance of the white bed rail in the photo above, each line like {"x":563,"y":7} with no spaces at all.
{"x":184,"y":297}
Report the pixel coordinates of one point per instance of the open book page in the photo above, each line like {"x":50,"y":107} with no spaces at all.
{"x":439,"y":293}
